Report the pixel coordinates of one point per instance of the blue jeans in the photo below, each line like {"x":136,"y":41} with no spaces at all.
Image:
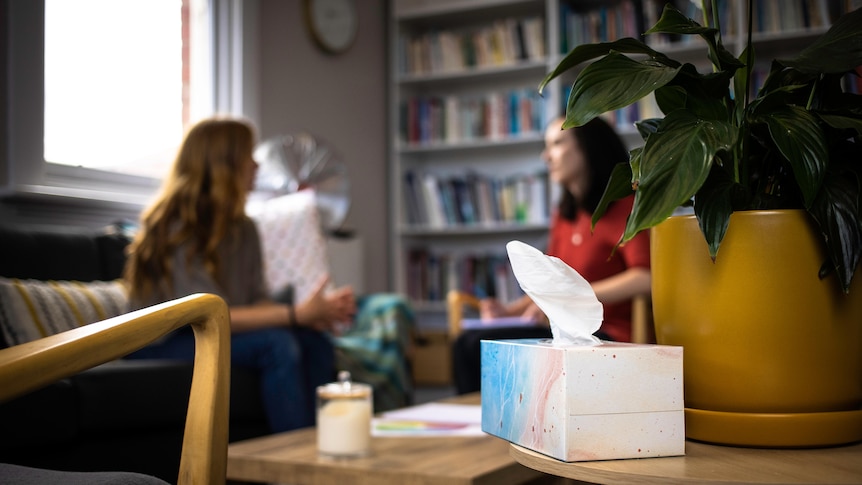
{"x":291,"y":363}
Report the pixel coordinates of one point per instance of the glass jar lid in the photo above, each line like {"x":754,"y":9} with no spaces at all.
{"x":344,"y":388}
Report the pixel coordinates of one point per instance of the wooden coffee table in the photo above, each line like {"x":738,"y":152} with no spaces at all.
{"x":712,"y":464}
{"x":292,"y":458}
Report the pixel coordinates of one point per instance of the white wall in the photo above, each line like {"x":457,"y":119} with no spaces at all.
{"x":340,"y":98}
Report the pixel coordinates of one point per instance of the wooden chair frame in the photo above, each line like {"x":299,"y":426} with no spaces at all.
{"x":29,"y":366}
{"x":642,"y":330}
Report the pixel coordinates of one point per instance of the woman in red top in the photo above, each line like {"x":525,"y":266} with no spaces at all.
{"x":580,"y":160}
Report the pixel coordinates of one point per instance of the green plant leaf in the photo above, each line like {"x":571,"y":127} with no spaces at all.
{"x":799,"y":138}
{"x":838,"y":50}
{"x":670,"y":98}
{"x":836,"y":212}
{"x":673,"y":21}
{"x":708,"y":108}
{"x":646,"y":128}
{"x":613,"y":82}
{"x":674,"y":165}
{"x":843,"y":122}
{"x":619,"y":186}
{"x":635,"y":166}
{"x":713,"y":85}
{"x":741,"y":85}
{"x":586,"y":52}
{"x":712,"y":206}
{"x":781,"y":78}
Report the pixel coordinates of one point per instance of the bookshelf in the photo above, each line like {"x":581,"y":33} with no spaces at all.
{"x":467,"y":133}
{"x":466,"y":175}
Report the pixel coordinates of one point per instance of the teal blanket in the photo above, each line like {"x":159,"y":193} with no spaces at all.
{"x":375,"y":349}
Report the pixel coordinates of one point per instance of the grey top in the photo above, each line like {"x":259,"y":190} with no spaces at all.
{"x":240,"y":281}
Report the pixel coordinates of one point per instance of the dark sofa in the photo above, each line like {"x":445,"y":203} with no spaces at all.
{"x":125,"y":415}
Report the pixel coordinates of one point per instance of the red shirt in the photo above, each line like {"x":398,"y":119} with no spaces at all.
{"x":592,"y":255}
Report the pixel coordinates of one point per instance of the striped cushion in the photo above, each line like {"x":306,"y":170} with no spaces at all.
{"x":32,"y":309}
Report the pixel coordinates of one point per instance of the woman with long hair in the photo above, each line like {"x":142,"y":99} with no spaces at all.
{"x":196,"y":237}
{"x":580,"y":160}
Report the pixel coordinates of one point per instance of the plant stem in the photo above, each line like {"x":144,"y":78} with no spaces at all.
{"x":813,"y":90}
{"x":716,"y":19}
{"x":749,"y":66}
{"x":714,"y":23}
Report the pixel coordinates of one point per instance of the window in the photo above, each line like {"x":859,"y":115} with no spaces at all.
{"x":70,"y":63}
{"x":118,"y":74}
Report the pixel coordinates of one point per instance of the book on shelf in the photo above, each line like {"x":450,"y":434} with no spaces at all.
{"x":464,"y":200}
{"x":499,"y":42}
{"x":436,"y":215}
{"x":450,"y":206}
{"x":414,"y":201}
{"x":484,"y":198}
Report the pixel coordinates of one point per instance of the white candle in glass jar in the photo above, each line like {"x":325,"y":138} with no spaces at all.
{"x":344,"y":418}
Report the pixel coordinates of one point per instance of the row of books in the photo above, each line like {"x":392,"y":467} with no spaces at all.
{"x":504,"y":41}
{"x":630,"y":18}
{"x":430,"y":275}
{"x":602,"y":24}
{"x":470,"y":199}
{"x":768,"y":16}
{"x":454,"y":118}
{"x":783,"y":15}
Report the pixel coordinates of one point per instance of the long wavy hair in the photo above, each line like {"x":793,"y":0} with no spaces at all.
{"x":202,"y":197}
{"x":603,"y":149}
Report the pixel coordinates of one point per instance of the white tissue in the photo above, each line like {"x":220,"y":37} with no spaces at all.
{"x":564,"y":295}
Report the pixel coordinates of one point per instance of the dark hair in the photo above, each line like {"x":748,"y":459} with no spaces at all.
{"x":603,"y":150}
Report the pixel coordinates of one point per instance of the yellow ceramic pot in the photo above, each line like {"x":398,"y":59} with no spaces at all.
{"x":772,"y":354}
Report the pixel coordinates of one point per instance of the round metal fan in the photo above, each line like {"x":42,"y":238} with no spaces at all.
{"x":290,"y":163}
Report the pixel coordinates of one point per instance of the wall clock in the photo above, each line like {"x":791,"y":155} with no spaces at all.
{"x":332,"y":23}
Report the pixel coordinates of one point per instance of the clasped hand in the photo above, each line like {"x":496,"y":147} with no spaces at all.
{"x":327,"y":310}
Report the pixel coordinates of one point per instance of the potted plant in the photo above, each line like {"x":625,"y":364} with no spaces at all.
{"x":787,"y":155}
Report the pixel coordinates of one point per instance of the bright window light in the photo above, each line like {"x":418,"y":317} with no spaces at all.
{"x":117,"y":83}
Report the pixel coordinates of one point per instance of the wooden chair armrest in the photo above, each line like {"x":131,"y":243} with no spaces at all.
{"x":456,"y":300}
{"x":29,"y":366}
{"x":642,"y":321}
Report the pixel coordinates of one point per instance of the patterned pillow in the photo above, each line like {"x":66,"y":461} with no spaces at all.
{"x":294,"y":250}
{"x":33,"y":309}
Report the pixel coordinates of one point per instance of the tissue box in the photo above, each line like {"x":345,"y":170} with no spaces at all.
{"x":580,"y":403}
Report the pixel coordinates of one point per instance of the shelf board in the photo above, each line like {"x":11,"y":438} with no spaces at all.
{"x":471,"y":230}
{"x":440,"y":147}
{"x":424,"y":10}
{"x":514,"y":68}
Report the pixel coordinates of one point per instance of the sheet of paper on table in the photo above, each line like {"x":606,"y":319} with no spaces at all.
{"x":428,"y":420}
